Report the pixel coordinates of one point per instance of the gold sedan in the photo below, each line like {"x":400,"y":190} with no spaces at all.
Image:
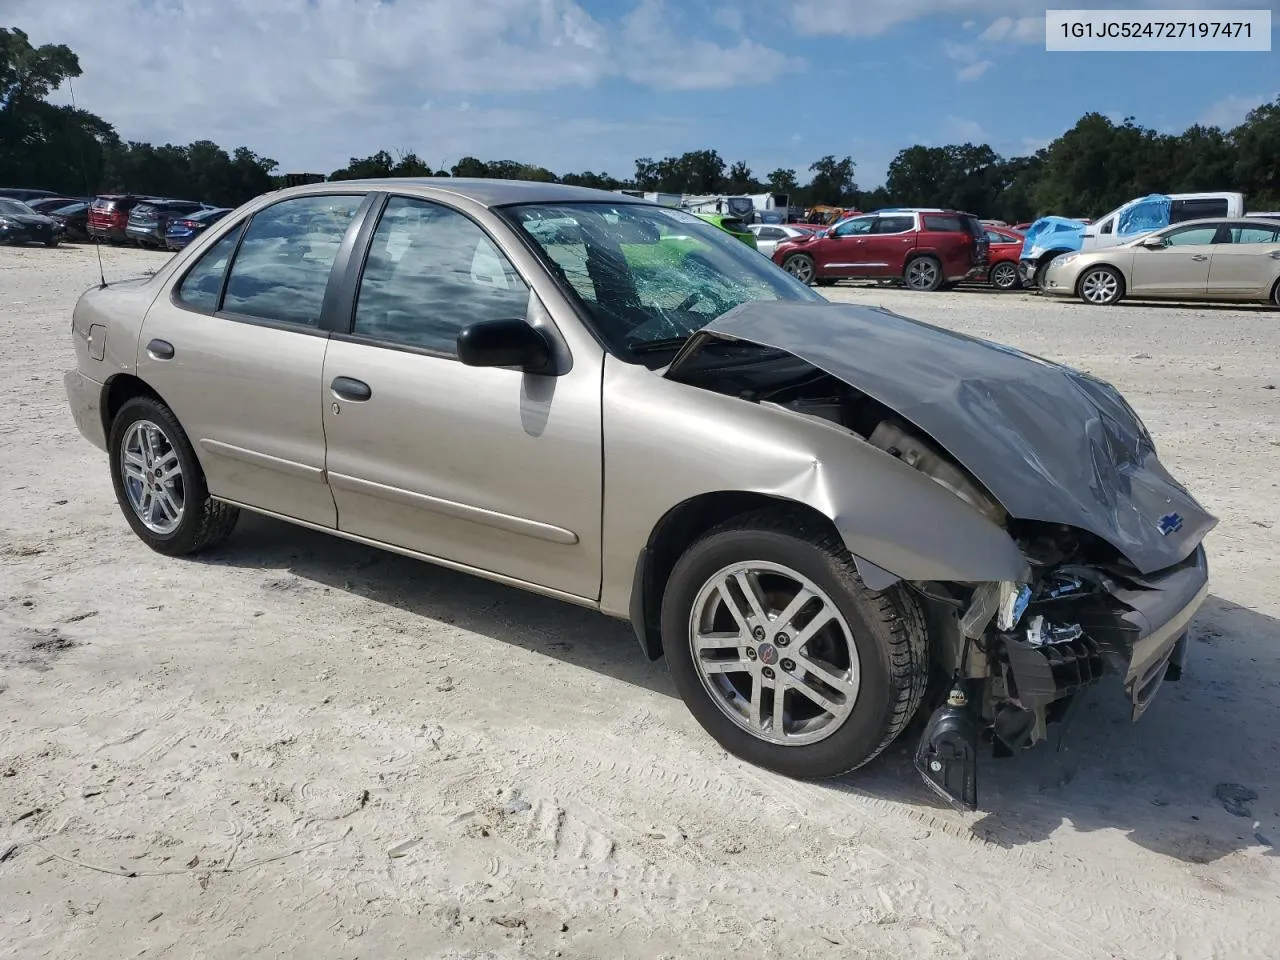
{"x":1199,"y":260}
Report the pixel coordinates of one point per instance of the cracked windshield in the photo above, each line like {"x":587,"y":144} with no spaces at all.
{"x":650,"y":277}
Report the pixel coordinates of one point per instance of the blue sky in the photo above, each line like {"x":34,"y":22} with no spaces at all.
{"x":593,"y":84}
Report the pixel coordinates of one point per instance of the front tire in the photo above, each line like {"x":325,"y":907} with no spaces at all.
{"x":781,"y":652}
{"x":1101,"y":286}
{"x":924,"y":274}
{"x":800,"y":266}
{"x":159,"y":484}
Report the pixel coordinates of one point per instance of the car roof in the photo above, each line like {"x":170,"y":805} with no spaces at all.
{"x":489,"y":193}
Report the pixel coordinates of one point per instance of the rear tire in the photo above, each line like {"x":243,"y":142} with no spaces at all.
{"x":924,"y":274}
{"x":871,"y":650}
{"x":159,"y":484}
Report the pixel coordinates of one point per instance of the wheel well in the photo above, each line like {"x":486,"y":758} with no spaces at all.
{"x":1275,"y":293}
{"x":118,"y":391}
{"x":673,"y":534}
{"x":1097,"y":266}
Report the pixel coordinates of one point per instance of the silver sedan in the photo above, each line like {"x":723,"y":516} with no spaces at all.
{"x":1199,"y":260}
{"x":769,"y":235}
{"x":811,"y":510}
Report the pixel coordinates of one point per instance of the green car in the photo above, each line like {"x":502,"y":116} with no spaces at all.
{"x":730,"y":225}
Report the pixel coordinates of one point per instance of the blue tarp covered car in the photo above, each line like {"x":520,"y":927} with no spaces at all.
{"x":1051,"y":237}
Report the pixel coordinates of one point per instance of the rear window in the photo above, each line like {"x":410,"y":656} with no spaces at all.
{"x":945,"y":223}
{"x":736,"y":226}
{"x":1182,"y":210}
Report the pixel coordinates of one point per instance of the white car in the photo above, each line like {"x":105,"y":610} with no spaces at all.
{"x":769,"y":235}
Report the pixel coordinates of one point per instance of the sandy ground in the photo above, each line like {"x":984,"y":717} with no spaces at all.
{"x":300,"y":747}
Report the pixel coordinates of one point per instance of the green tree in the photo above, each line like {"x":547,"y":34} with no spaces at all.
{"x":783,"y":181}
{"x":832,"y":181}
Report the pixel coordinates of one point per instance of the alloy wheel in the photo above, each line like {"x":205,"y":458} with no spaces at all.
{"x":774,"y":652}
{"x":1004,"y":276}
{"x":152,"y":475}
{"x":801,"y":268}
{"x":922,"y":274}
{"x":1100,"y":287}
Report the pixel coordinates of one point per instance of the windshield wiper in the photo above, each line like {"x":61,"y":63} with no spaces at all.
{"x":658,"y":346}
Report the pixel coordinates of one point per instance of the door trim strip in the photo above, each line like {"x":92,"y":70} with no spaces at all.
{"x":459,"y":511}
{"x":589,"y":603}
{"x":252,"y":457}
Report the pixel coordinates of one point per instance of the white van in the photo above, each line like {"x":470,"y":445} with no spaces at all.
{"x":1119,"y":225}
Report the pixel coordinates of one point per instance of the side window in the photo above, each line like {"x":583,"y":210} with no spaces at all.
{"x":1191,"y":236}
{"x":1183,"y":210}
{"x":282,"y":268}
{"x":772,"y":233}
{"x":199,"y":289}
{"x":1242,"y":234}
{"x":894,"y":225}
{"x":943,"y":224}
{"x":993,"y":237}
{"x":430,"y":272}
{"x":853,"y":228}
{"x":1108,"y":227}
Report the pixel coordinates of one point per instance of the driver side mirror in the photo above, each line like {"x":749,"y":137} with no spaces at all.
{"x":1154,"y":243}
{"x":504,"y":343}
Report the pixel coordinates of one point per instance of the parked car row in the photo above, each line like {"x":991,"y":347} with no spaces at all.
{"x":159,"y":222}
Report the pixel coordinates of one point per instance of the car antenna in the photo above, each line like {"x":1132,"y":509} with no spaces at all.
{"x":84,"y":169}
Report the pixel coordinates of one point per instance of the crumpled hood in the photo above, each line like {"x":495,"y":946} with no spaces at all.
{"x":1049,"y":442}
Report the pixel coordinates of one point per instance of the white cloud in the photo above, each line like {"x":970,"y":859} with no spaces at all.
{"x":974,"y":70}
{"x":315,"y":81}
{"x":1015,"y":30}
{"x":657,"y":53}
{"x":1230,"y":112}
{"x":730,"y":18}
{"x":963,"y":130}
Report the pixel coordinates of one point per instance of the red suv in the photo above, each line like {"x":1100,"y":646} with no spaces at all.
{"x":925,"y":249}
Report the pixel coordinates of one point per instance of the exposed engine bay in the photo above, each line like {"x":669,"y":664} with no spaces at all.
{"x":1008,"y":659}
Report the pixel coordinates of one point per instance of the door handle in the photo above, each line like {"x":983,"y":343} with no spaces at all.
{"x":1275,"y":254}
{"x":350,"y":389}
{"x":160,"y":350}
{"x":1199,"y":258}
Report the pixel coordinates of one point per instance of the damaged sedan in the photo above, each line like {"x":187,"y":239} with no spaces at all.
{"x":828,"y":519}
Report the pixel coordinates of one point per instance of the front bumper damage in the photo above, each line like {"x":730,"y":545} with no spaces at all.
{"x":1077,"y":626}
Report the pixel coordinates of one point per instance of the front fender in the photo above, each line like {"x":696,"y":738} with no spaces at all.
{"x":666,"y":443}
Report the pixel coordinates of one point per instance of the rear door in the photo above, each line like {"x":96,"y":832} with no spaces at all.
{"x":1180,"y":267}
{"x":1245,"y":261}
{"x":884,"y":252}
{"x":238,"y":351}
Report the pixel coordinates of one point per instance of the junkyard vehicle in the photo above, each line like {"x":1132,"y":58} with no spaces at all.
{"x":1051,"y":237}
{"x":74,"y":220}
{"x":148,"y":223}
{"x":924,"y":249}
{"x":768,"y":235}
{"x":809,"y":508}
{"x":20,"y":224}
{"x":734,"y":226}
{"x":183,"y":230}
{"x":1201,"y":260}
{"x":1004,"y":250}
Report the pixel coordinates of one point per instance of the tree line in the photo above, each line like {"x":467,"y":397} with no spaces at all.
{"x":1092,"y":168}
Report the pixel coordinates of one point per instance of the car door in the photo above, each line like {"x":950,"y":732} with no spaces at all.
{"x":768,"y":238}
{"x":1245,"y":262}
{"x":884,"y":252}
{"x":1178,"y":268}
{"x":237,"y":352}
{"x":491,"y":469}
{"x":842,"y":253}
